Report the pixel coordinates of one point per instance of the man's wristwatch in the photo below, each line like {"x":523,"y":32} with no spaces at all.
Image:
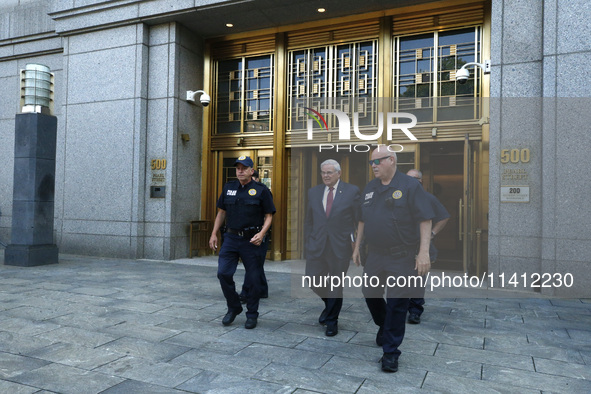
{"x":433,"y":234}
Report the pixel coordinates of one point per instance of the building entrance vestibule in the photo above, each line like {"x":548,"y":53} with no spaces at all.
{"x":451,"y":172}
{"x":265,"y":86}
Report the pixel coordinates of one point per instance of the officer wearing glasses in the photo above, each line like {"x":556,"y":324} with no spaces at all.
{"x":396,"y":224}
{"x":247,"y":208}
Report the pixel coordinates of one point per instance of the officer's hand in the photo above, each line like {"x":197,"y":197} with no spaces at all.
{"x":356,"y":257}
{"x":213,"y":241}
{"x":423,"y":263}
{"x":257,"y":239}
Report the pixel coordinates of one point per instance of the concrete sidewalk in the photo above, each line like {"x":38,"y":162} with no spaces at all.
{"x":92,"y":325}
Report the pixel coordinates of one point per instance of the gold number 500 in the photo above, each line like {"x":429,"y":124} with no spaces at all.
{"x":515,"y":156}
{"x":158,"y":164}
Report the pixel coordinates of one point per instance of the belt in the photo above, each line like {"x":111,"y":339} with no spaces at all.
{"x":394,"y":251}
{"x":247,"y":232}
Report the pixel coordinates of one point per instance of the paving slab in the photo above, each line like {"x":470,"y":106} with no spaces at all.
{"x":524,"y":347}
{"x":75,"y":355}
{"x":24,"y":326}
{"x":141,"y":331}
{"x":161,"y":374}
{"x":16,"y":388}
{"x":535,"y":380}
{"x":12,"y":365}
{"x":15,"y":343}
{"x":216,"y":362}
{"x":296,"y":357}
{"x":133,"y":386}
{"x":524,"y":362}
{"x":278,"y":337}
{"x":347,"y":350}
{"x":310,"y":379}
{"x":94,"y":325}
{"x":216,"y":382}
{"x":155,"y":351}
{"x":437,"y":382}
{"x":562,"y":368}
{"x":65,"y":379}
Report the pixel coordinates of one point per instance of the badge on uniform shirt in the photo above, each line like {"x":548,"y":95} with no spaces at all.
{"x":252,"y":192}
{"x":397,"y":194}
{"x":231,"y":192}
{"x":369,"y":195}
{"x":242,"y":158}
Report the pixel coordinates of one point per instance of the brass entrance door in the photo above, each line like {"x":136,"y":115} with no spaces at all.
{"x":466,"y":205}
{"x":452,"y":172}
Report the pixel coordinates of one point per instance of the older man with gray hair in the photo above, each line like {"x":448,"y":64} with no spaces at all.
{"x":331,"y":217}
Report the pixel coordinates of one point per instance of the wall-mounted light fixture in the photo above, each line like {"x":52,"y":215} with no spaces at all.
{"x":36,"y":89}
{"x":463,"y":73}
{"x":204,"y":99}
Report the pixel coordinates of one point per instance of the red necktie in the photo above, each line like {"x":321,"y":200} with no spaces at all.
{"x":329,"y":200}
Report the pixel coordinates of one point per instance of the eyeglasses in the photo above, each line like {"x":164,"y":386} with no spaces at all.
{"x":329,"y":173}
{"x":378,"y":160}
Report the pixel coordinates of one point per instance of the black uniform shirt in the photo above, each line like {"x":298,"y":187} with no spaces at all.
{"x":438,"y":208}
{"x":440,"y":214}
{"x":246,"y":205}
{"x":403,"y":203}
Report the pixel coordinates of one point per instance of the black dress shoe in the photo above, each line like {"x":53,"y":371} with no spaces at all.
{"x":380,"y":336}
{"x":332,"y":329}
{"x":322,"y":318}
{"x":414,"y":318}
{"x":230,"y":316}
{"x":389,"y":363}
{"x":251,"y":323}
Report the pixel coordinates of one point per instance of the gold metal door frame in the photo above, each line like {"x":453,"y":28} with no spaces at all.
{"x":466,"y":205}
{"x":473,"y":231}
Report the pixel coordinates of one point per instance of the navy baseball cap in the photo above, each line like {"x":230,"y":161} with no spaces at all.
{"x":245,"y":160}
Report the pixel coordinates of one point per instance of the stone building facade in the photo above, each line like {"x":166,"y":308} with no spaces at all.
{"x":123,"y":67}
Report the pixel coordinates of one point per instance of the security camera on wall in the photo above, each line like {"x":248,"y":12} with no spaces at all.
{"x":462,"y":75}
{"x":204,"y":99}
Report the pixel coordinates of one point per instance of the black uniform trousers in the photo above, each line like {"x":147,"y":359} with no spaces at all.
{"x":263,"y":279}
{"x":415,"y":305}
{"x":391,"y":312}
{"x":233,"y":248}
{"x":328,"y":264}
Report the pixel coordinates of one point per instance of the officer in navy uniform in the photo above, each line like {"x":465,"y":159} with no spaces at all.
{"x":416,"y":305}
{"x":247,"y":208}
{"x":265,"y":285}
{"x":396,"y":224}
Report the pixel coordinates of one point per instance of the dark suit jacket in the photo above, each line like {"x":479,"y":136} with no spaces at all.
{"x":338,"y":227}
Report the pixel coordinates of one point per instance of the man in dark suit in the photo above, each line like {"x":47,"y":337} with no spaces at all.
{"x":331,"y":218}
